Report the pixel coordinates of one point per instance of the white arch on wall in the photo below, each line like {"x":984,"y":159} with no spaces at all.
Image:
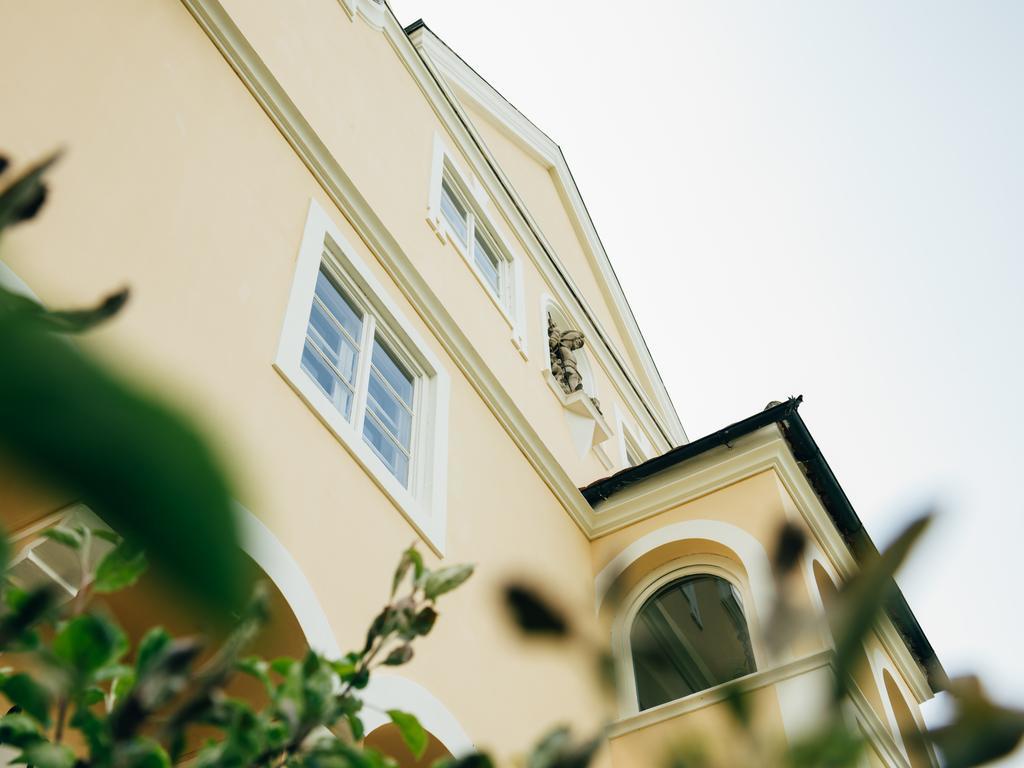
{"x":880,"y":664}
{"x":748,"y":549}
{"x":383,"y":692}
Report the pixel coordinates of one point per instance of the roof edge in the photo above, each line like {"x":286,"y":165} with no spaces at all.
{"x":825,"y":485}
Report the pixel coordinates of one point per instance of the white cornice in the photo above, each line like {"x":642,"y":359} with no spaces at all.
{"x":216,"y":22}
{"x":763,"y":450}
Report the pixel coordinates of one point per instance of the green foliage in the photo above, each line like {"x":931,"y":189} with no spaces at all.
{"x":412,"y":732}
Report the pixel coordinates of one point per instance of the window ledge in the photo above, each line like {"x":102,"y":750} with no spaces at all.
{"x":761,"y":679}
{"x":580,"y":404}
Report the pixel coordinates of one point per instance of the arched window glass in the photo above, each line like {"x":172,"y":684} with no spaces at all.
{"x":690,"y":635}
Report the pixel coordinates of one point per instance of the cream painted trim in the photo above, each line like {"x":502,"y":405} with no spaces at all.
{"x":217,"y":24}
{"x":760,"y":451}
{"x":448,"y":68}
{"x":384,"y":691}
{"x":748,"y":549}
{"x":424,"y":501}
{"x":691,"y":565}
{"x":692,"y":703}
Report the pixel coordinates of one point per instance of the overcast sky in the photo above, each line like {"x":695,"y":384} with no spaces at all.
{"x":815,"y":198}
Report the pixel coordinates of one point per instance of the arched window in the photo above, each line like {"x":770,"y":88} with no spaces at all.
{"x":688,"y":636}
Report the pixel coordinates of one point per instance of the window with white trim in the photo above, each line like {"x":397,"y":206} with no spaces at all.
{"x":690,"y":635}
{"x":351,"y":354}
{"x":360,"y":373}
{"x":470,"y":234}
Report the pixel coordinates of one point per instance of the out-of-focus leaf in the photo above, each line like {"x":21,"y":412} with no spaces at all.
{"x":835,"y":746}
{"x":445,"y":580}
{"x":399,"y":656}
{"x":142,"y":753}
{"x":412,"y":732}
{"x":19,"y":730}
{"x":556,"y":750}
{"x":88,"y":642}
{"x":135,"y":463}
{"x":120,"y":567}
{"x":46,"y":755}
{"x":153,"y":643}
{"x":23,"y":691}
{"x":424,"y":621}
{"x":23,"y":197}
{"x":789,"y":547}
{"x":533,"y":614}
{"x":981,"y":732}
{"x":62,"y":321}
{"x":26,"y":610}
{"x":411,"y":558}
{"x":738,"y":702}
{"x":864,"y":597}
{"x":472,"y":760}
{"x":66,"y":536}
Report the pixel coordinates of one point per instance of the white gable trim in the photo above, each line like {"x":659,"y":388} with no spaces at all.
{"x":446,"y":64}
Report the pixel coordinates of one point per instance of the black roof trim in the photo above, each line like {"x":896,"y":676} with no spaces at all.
{"x":826,"y":486}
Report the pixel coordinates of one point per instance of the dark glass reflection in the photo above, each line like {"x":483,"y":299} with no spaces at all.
{"x":690,"y":635}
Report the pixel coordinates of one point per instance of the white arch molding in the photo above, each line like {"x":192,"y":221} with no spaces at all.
{"x":748,"y":549}
{"x":384,"y":691}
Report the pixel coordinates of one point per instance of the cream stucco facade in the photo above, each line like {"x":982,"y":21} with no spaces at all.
{"x":210,"y":144}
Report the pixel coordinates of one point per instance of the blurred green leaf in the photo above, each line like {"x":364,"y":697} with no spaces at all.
{"x":472,"y":760}
{"x":445,"y":580}
{"x":47,"y":755}
{"x":400,"y":655}
{"x":142,"y":753}
{"x":66,"y":536}
{"x":18,"y":730}
{"x":981,"y":731}
{"x":412,"y":732}
{"x":789,"y":547}
{"x":135,"y":463}
{"x":864,"y":597}
{"x":88,"y":642}
{"x":22,"y":198}
{"x":556,"y":750}
{"x":532,"y":613}
{"x":23,"y":691}
{"x":62,"y":321}
{"x":411,"y":558}
{"x":27,"y":608}
{"x":120,"y":567}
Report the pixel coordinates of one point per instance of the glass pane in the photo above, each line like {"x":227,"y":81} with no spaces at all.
{"x":335,"y":389}
{"x":453,"y":211}
{"x":393,"y":372}
{"x":488,"y":263}
{"x":390,"y":410}
{"x":340,"y":307}
{"x":386,"y":449}
{"x":333,"y":343}
{"x":691,"y":635}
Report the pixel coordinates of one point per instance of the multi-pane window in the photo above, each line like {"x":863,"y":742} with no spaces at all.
{"x":470,"y":234}
{"x":360,"y":373}
{"x":690,"y":635}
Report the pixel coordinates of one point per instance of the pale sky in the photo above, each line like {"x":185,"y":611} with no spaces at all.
{"x":815,"y":198}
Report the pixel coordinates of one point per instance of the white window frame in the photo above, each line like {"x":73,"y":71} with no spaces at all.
{"x":471,"y":196}
{"x":423,"y":501}
{"x":692,"y":565}
{"x":630,"y":436}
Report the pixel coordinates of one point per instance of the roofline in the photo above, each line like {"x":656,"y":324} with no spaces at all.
{"x":667,"y":422}
{"x":824,"y":483}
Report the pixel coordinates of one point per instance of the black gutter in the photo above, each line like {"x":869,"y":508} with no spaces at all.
{"x":826,"y":486}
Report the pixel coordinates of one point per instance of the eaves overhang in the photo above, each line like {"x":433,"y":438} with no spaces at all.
{"x":825,"y":485}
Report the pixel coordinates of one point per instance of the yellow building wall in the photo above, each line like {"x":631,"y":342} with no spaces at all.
{"x":177,"y":184}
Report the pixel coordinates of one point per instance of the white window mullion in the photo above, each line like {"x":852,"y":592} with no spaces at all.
{"x":363,"y":372}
